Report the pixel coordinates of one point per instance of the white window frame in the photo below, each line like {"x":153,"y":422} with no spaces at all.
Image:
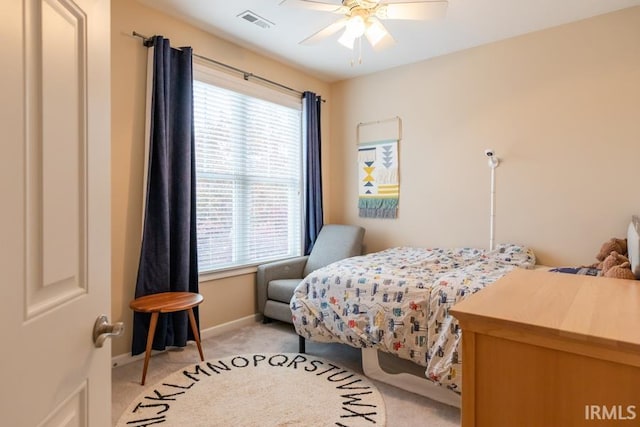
{"x":203,"y":72}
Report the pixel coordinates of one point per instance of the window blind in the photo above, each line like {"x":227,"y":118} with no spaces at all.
{"x":249,"y":178}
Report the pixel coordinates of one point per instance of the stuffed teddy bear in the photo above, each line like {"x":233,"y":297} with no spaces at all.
{"x":612,"y":260}
{"x":613,"y":244}
{"x":622,"y":271}
{"x":617,"y":266}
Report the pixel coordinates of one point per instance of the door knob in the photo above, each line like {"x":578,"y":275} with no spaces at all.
{"x":102,"y":330}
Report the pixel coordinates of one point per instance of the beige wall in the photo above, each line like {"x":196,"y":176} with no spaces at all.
{"x":561,"y":108}
{"x":226,"y":299}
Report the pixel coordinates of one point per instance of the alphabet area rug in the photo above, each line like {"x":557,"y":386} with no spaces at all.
{"x":265,"y":389}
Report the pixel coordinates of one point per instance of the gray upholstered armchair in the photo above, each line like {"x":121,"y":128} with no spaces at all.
{"x":277,"y":280}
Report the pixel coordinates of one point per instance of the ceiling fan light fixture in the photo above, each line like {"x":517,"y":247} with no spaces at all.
{"x":355,"y":26}
{"x":375,"y":31}
{"x":347,"y":40}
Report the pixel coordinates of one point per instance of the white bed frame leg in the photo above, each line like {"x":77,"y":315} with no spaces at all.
{"x":422,"y":386}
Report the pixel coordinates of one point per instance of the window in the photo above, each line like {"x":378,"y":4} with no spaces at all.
{"x":248,"y":172}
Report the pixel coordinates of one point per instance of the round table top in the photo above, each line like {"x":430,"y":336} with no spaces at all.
{"x":166,"y":302}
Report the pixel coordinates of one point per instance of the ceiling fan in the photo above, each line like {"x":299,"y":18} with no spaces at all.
{"x":363,"y":17}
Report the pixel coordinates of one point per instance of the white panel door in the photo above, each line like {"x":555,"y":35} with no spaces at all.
{"x":54,"y":211}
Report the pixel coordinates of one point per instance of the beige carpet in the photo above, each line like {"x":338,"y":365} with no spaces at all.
{"x":403,"y":409}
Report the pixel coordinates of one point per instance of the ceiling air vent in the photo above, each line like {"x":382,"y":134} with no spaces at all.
{"x":251,"y":17}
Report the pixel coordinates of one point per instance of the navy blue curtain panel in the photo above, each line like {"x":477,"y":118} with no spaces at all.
{"x":313,"y":167}
{"x":168,"y":258}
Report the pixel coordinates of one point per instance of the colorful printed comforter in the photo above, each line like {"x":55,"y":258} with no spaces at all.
{"x":398,"y":301}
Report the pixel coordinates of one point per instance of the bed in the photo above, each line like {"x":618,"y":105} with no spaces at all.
{"x":396,"y":301}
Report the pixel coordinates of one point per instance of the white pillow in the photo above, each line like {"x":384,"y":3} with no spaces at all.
{"x":633,"y":245}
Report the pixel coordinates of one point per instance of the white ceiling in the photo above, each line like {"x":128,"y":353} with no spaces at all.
{"x":468,"y":23}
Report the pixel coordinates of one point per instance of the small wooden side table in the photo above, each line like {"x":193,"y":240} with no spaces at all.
{"x":166,"y":302}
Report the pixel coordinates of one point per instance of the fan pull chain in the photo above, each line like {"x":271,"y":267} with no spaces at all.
{"x":357,"y":51}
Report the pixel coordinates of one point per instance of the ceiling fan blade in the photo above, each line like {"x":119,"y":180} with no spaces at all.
{"x":315,"y":5}
{"x":417,"y":10}
{"x":325,"y":32}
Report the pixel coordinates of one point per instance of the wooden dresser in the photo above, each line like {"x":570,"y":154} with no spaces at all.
{"x":547,"y":349}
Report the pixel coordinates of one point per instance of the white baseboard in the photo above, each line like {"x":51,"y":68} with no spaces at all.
{"x":230,"y":326}
{"x":213,"y":331}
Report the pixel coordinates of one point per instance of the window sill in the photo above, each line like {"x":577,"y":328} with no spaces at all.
{"x":223,"y":274}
